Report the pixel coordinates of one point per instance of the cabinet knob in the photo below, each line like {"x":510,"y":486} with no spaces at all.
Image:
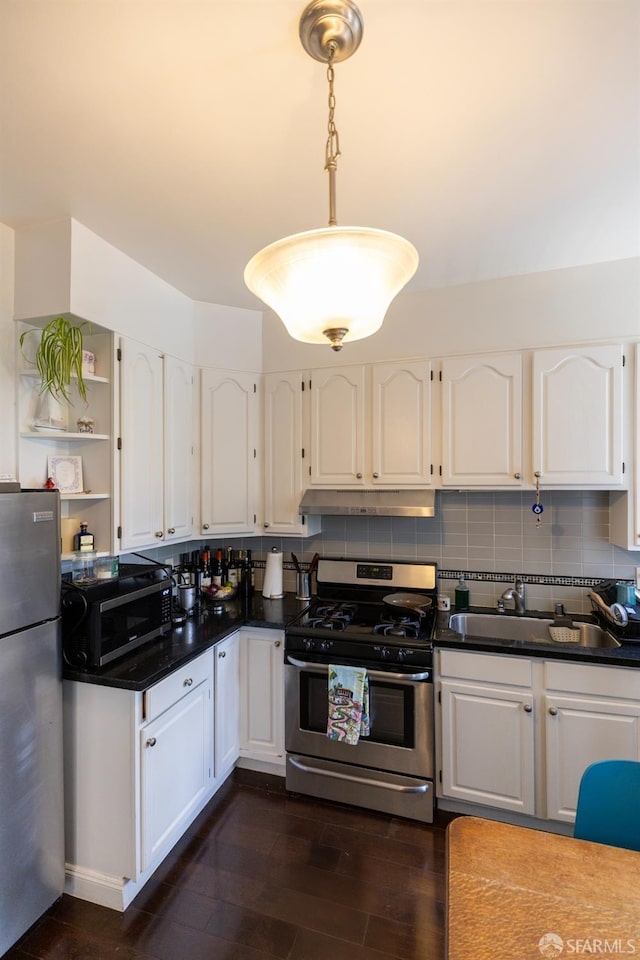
{"x":517,"y":476}
{"x":265,"y":525}
{"x":151,"y":742}
{"x":276,"y":643}
{"x":205,"y":526}
{"x":359,"y":476}
{"x":222,"y":653}
{"x":171,"y":530}
{"x":375,"y":476}
{"x":159,"y":534}
{"x":538,"y":473}
{"x":188,"y":682}
{"x":553,"y":711}
{"x":528,"y":708}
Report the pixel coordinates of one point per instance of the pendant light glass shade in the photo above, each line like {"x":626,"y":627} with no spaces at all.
{"x":336,"y":278}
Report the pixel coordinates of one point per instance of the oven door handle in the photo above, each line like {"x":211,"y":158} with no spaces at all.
{"x":374,"y":674}
{"x":368,"y":781}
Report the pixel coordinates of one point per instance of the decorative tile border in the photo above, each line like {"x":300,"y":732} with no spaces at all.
{"x":548,"y":580}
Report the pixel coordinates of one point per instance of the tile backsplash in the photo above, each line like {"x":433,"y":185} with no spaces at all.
{"x":492,"y":533}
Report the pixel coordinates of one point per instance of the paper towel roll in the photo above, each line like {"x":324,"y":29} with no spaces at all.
{"x":272,"y":584}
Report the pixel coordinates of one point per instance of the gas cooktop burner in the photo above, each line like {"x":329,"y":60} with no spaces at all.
{"x":404,"y":627}
{"x":350,"y":621}
{"x":331,"y":616}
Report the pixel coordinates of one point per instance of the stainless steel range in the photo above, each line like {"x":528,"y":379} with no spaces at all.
{"x":380,"y":616}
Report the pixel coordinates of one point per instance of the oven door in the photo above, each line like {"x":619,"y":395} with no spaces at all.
{"x":400,"y":708}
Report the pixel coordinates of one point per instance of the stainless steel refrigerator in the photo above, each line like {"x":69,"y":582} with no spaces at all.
{"x":31,"y":800}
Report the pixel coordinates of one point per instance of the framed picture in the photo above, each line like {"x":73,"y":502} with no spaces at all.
{"x":66,"y":473}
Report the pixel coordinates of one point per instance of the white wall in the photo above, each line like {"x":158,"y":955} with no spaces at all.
{"x":7,"y":354}
{"x":597,"y":302}
{"x":227,"y":337}
{"x":80,"y":273}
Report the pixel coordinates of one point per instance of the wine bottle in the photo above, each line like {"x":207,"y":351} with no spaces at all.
{"x":217,"y":572}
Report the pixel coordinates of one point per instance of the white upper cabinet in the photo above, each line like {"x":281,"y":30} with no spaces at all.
{"x":577,"y":415}
{"x":401,"y":423}
{"x":141,"y":478}
{"x":371,"y":426}
{"x":337,"y":427}
{"x":157,"y":447}
{"x":229,"y":403}
{"x":178,"y":449}
{"x":482,"y":421}
{"x":286,"y":434}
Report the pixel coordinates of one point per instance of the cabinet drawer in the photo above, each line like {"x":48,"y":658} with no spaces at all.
{"x":598,"y":680}
{"x":164,"y":694}
{"x":482,"y":666}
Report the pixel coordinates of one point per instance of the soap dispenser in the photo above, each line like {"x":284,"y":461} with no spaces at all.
{"x":461,"y":595}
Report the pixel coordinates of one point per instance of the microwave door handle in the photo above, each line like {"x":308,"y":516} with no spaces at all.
{"x":123,"y":598}
{"x":373,"y":674}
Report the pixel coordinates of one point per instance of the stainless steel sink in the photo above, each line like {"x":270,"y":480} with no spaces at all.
{"x":525,"y":630}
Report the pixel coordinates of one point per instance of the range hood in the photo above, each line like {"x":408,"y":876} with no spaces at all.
{"x":368,"y":503}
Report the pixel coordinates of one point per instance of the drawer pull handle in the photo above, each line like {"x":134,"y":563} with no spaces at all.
{"x":553,"y":711}
{"x":187,"y":682}
{"x":222,"y":653}
{"x":151,"y":742}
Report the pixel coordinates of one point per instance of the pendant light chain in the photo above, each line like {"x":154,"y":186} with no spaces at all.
{"x":332,"y":149}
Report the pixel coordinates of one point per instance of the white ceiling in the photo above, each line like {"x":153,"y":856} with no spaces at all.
{"x":500,"y":136}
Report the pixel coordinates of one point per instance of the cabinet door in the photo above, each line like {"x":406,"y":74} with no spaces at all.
{"x":141,"y":507}
{"x":262,"y":695}
{"x":577,"y":415}
{"x":227,"y":704}
{"x":482,"y":421}
{"x":580,"y":731}
{"x":401,"y":424}
{"x":286,"y":429}
{"x":176,"y":752}
{"x":228,"y":418}
{"x":178,"y":448}
{"x":337,"y":427}
{"x":488,"y":745}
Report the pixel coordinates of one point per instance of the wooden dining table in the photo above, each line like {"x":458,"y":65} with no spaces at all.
{"x":514,"y":893}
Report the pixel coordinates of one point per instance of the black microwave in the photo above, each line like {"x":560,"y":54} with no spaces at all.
{"x":102,"y":621}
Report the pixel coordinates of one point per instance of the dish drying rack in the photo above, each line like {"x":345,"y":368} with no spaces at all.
{"x":615,"y":614}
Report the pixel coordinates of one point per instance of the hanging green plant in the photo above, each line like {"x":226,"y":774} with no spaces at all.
{"x":58,"y":357}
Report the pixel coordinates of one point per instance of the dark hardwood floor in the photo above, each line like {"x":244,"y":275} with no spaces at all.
{"x":263,"y":874}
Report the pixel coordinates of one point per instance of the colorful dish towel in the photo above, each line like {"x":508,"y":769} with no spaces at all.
{"x":348,"y":704}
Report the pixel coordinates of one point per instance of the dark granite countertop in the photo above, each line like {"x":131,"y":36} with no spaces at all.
{"x":627,"y":655}
{"x":154,"y":661}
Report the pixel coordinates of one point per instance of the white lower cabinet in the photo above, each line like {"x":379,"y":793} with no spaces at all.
{"x":597,"y":718}
{"x":176,"y":765}
{"x":488,"y":733}
{"x":262,"y":695}
{"x":138,"y":768}
{"x":226,"y":656}
{"x":516,"y":733}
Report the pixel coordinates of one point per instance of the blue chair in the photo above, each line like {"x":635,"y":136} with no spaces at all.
{"x":609,"y":804}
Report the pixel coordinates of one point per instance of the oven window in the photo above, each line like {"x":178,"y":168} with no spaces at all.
{"x":391,"y":706}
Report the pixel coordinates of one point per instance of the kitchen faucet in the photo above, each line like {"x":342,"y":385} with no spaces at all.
{"x":517,"y":594}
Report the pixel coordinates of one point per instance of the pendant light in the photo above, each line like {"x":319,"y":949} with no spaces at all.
{"x":334,"y":283}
